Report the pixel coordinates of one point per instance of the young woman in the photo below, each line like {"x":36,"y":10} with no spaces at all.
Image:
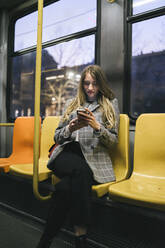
{"x":87,"y":130}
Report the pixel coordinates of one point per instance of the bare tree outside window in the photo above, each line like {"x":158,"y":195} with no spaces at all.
{"x":59,"y":89}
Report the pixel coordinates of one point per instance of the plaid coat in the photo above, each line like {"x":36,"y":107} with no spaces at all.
{"x":95,"y":145}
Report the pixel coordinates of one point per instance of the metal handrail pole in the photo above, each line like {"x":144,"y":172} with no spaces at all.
{"x":37,"y":105}
{"x":6,"y":124}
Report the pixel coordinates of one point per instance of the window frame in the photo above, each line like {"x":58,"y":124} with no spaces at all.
{"x":14,"y":16}
{"x":130,"y":19}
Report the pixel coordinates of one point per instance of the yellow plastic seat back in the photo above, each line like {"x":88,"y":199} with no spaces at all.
{"x":49,"y":126}
{"x":149,"y":148}
{"x":119,"y":155}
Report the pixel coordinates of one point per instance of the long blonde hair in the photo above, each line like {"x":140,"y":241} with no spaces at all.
{"x":105,"y":96}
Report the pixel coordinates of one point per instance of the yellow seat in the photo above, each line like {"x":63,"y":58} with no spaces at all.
{"x":120,"y":157}
{"x":47,"y":133}
{"x":146,"y":186}
{"x":22,"y":151}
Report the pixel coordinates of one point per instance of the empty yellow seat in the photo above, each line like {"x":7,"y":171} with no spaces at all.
{"x":22,"y":151}
{"x":120,"y":157}
{"x":146,"y":186}
{"x":47,"y":134}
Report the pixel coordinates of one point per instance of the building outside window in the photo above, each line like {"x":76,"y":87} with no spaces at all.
{"x":147,"y":91}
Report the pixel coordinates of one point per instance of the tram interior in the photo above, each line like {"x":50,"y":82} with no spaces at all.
{"x":127,"y":214}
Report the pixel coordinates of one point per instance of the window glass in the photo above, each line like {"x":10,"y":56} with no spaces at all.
{"x":59,"y":19}
{"x":146,"y":5}
{"x":148,"y":60}
{"x":25,"y":32}
{"x":62,"y":65}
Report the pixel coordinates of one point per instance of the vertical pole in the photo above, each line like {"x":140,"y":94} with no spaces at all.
{"x":37,"y":104}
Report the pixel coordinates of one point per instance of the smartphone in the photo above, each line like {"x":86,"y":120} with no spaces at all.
{"x":81,"y":110}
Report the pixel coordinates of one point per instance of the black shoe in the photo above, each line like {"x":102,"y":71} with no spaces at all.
{"x":80,"y":241}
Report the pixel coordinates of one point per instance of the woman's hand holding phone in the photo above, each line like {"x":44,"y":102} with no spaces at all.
{"x":86,"y":116}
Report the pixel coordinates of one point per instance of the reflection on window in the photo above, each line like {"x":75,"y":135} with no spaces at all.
{"x":59,"y":19}
{"x":140,"y":6}
{"x":148,"y":60}
{"x":62,"y":65}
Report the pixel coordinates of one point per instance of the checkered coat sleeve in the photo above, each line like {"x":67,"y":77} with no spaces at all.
{"x":95,"y":145}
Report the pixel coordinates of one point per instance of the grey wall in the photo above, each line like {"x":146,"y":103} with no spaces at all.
{"x":4,"y":21}
{"x":112,"y":45}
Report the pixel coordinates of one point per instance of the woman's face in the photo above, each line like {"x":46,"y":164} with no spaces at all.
{"x":90,"y":86}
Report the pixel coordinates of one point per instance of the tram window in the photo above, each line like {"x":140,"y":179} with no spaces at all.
{"x":59,"y":19}
{"x":146,"y":5}
{"x":66,"y":20}
{"x":61,"y":68}
{"x":25,"y":32}
{"x":65,"y":53}
{"x":148,"y":60}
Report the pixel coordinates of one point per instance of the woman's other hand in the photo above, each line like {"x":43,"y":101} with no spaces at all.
{"x":76,"y":124}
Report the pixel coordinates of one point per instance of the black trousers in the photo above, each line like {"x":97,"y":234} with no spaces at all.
{"x":73,"y":192}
